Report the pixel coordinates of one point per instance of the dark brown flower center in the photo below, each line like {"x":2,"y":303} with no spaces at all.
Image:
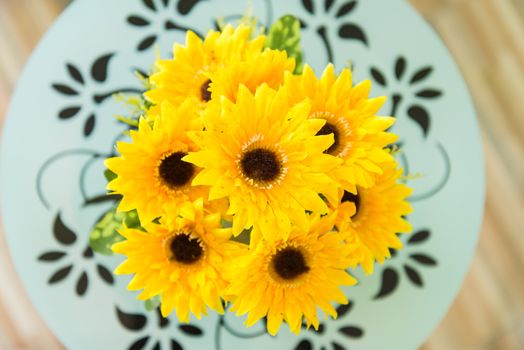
{"x":185,"y":250}
{"x":204,"y":91}
{"x":289,"y":263}
{"x":327,"y":129}
{"x":174,"y":171}
{"x":353,"y":198}
{"x":260,"y":165}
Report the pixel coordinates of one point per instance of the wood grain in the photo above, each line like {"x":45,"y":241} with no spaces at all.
{"x":486,"y":38}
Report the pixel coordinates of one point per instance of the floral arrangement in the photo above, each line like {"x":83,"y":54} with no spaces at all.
{"x":251,"y":184}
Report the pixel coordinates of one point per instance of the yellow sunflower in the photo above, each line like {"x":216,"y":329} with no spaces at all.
{"x":151,"y":175}
{"x":360,"y":136}
{"x":262,"y":154}
{"x":187,"y":74}
{"x":180,"y":260}
{"x":288,"y":280}
{"x":267,"y":67}
{"x":372,"y":218}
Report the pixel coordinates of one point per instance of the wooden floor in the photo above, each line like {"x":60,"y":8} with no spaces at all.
{"x":487,"y":39}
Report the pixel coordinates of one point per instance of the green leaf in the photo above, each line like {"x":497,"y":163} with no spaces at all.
{"x":131,"y":219}
{"x":109,"y":175}
{"x":133,"y":122}
{"x":244,"y":237}
{"x":105,"y":233}
{"x":153,"y":303}
{"x":284,"y":34}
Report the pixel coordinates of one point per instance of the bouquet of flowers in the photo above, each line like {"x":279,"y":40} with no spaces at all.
{"x":251,"y":184}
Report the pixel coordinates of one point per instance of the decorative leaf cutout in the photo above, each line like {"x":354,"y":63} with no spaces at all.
{"x":150,"y":4}
{"x":185,"y":6}
{"x":392,"y":252}
{"x":99,"y":68}
{"x":69,"y":112}
{"x":322,"y":32}
{"x":170,"y":25}
{"x":424,"y":259}
{"x":351,"y":332}
{"x":389,"y":283}
{"x":346,"y":8}
{"x":378,"y":77}
{"x":139,"y":344}
{"x":75,"y":73}
{"x":191,"y":330}
{"x":65,"y":89}
{"x":138,"y":21}
{"x":217,"y":25}
{"x":308,"y":5}
{"x":328,"y":4}
{"x":420,"y":116}
{"x":60,"y":274}
{"x":421,"y":74}
{"x":62,"y":233}
{"x":414,"y":276}
{"x":146,"y":43}
{"x":400,"y":67}
{"x":103,"y":198}
{"x":303,"y":24}
{"x":142,"y":73}
{"x":105,"y":274}
{"x":175,"y":345}
{"x":104,"y":234}
{"x":162,"y":321}
{"x":157,"y":346}
{"x":89,"y":125}
{"x":397,"y":99}
{"x":88,"y":253}
{"x":51,"y":256}
{"x":419,"y":237}
{"x":284,"y":34}
{"x":351,"y":31}
{"x":429,"y":93}
{"x":344,"y":309}
{"x":82,"y":284}
{"x":337,"y":346}
{"x":321,"y":328}
{"x":133,"y":322}
{"x":304,"y":345}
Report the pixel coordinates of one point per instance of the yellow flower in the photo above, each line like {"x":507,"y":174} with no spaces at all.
{"x":262,"y":154}
{"x":187,"y":74}
{"x":350,"y":116}
{"x":372,"y":218}
{"x":288,"y":280}
{"x":267,"y":67}
{"x":181,"y":260}
{"x":151,"y":175}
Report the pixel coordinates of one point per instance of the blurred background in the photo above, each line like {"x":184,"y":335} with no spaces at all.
{"x":486,"y":37}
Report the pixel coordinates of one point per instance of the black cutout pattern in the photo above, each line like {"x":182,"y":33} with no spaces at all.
{"x":415,"y":103}
{"x":345,"y":334}
{"x":339,"y":11}
{"x":137,"y":323}
{"x":417,"y":111}
{"x":154,"y":11}
{"x":67,"y":238}
{"x":415,"y":259}
{"x":74,"y":91}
